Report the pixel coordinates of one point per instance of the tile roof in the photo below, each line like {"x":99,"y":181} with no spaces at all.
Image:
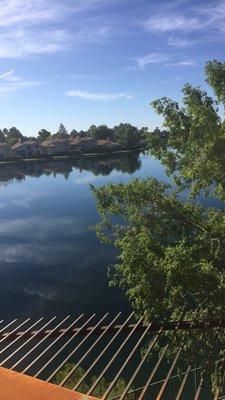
{"x":76,"y":140}
{"x":102,"y":142}
{"x":27,"y":142}
{"x":17,"y":145}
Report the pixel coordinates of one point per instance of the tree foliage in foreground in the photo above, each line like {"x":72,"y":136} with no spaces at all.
{"x":172,"y":252}
{"x":194,"y":146}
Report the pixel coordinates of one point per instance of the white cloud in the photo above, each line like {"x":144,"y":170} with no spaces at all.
{"x":163,"y":59}
{"x":98,"y":96}
{"x":19,"y":43}
{"x":28,"y":11}
{"x":182,"y":63}
{"x":208,"y":19}
{"x":162,"y":23}
{"x":9,"y":82}
{"x":30,"y":27}
{"x":153,"y":58}
{"x":7,"y":76}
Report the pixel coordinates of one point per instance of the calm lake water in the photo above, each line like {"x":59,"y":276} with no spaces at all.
{"x":50,"y":263}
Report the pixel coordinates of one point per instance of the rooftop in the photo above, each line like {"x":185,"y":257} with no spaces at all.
{"x":106,"y":141}
{"x":2,"y":144}
{"x":75,"y":140}
{"x":27,"y":142}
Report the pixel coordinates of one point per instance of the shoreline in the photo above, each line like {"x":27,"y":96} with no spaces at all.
{"x":71,"y":156}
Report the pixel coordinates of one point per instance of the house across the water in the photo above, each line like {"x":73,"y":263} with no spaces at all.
{"x":29,"y":148}
{"x":5,"y":151}
{"x":83,"y":144}
{"x":55,"y":146}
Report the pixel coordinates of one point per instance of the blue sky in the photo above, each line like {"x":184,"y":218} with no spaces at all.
{"x":81,"y":62}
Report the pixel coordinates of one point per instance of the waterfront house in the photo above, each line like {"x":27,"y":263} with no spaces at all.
{"x":62,"y":145}
{"x":48,"y":148}
{"x":55,"y":146}
{"x":5,"y":151}
{"x":107,"y":145}
{"x":29,"y":148}
{"x":84,"y":144}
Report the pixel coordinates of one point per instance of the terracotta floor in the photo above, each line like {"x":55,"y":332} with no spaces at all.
{"x":16,"y":386}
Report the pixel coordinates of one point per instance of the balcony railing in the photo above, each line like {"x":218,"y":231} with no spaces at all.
{"x":106,"y":357}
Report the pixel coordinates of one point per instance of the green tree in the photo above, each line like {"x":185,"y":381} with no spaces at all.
{"x":215,"y":73}
{"x":143,"y":132}
{"x":193,"y":148}
{"x":2,"y":137}
{"x":43,"y":135}
{"x":12,"y":135}
{"x":100,"y":132}
{"x":92,"y":131}
{"x":172,"y":252}
{"x":74,"y":133}
{"x":62,"y":132}
{"x":127,"y":135}
{"x":82,"y":134}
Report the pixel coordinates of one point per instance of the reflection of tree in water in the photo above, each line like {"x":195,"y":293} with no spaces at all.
{"x":103,"y":166}
{"x":128,"y":163}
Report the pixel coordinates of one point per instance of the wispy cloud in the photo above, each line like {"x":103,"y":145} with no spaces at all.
{"x":164,"y":59}
{"x":27,"y":11}
{"x":21,"y":43}
{"x":9,"y":82}
{"x":8,"y":76}
{"x":208,"y":19}
{"x":153,"y":58}
{"x":163,"y":23}
{"x":40,"y":27}
{"x":181,"y":63}
{"x":98,"y":96}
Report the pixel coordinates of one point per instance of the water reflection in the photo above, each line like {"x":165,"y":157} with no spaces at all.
{"x":101,"y":166}
{"x":50,"y":263}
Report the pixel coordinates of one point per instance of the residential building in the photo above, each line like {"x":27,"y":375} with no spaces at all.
{"x":55,"y":146}
{"x":84,"y":144}
{"x":5,"y":151}
{"x":48,"y":148}
{"x":29,"y":148}
{"x":106,"y":144}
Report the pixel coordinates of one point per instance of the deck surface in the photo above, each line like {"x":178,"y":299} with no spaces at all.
{"x":16,"y":386}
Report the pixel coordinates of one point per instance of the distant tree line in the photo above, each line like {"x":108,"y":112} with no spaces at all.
{"x":124,"y":133}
